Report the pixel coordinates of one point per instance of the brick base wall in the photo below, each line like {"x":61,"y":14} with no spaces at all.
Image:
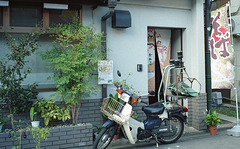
{"x":75,"y":137}
{"x":71,"y":137}
{"x":197,"y":107}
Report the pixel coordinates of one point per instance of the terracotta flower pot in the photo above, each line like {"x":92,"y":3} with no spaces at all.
{"x":213,"y":130}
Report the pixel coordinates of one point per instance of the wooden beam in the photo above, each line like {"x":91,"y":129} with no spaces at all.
{"x":83,"y":2}
{"x":45,"y":17}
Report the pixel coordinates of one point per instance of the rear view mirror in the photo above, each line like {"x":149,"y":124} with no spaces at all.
{"x":119,"y":73}
{"x":151,"y":92}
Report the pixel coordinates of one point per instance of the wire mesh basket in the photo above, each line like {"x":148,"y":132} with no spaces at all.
{"x":114,"y":110}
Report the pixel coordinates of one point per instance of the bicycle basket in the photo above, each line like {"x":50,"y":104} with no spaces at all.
{"x":116,"y":111}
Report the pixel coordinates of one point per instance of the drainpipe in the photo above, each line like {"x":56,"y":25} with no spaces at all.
{"x":104,"y":31}
{"x":208,"y":54}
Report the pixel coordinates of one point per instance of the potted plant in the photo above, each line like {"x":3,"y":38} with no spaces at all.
{"x":33,"y":117}
{"x":212,"y":120}
{"x":2,"y":122}
{"x":50,"y":112}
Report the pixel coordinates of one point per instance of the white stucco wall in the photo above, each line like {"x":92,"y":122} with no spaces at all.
{"x":128,"y":47}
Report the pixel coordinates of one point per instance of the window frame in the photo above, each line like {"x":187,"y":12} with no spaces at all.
{"x":45,"y":23}
{"x":14,"y":29}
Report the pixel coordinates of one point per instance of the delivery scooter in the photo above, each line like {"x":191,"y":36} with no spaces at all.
{"x":164,"y":122}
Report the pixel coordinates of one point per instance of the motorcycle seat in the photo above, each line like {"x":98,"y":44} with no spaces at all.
{"x":154,"y":109}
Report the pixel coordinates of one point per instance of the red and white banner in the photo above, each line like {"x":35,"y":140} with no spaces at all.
{"x":221,"y":51}
{"x":160,"y":39}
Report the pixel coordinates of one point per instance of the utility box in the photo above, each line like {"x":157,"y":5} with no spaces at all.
{"x":217,"y":98}
{"x":236,"y":24}
{"x":121,"y":19}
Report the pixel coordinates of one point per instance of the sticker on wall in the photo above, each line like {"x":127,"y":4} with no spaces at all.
{"x":151,"y":60}
{"x":105,"y":72}
{"x":221,"y":52}
{"x":151,"y":67}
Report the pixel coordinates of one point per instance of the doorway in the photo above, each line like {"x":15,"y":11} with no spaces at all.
{"x":163,"y":44}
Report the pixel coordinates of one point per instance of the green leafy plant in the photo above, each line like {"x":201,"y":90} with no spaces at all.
{"x":33,"y":114}
{"x":50,"y":111}
{"x":13,"y":72}
{"x":114,"y":97}
{"x":74,"y":59}
{"x":39,"y":134}
{"x":212,"y":118}
{"x":127,"y":87}
{"x":17,"y":133}
{"x":227,"y":111}
{"x":98,"y":128}
{"x":134,"y":115}
{"x":2,"y":122}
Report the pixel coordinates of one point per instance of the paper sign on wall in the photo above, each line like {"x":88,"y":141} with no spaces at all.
{"x":105,"y":72}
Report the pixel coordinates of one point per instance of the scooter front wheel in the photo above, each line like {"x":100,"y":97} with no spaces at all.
{"x":174,"y":129}
{"x":104,"y":137}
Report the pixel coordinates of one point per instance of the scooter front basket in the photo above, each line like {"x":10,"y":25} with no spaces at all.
{"x":119,"y":112}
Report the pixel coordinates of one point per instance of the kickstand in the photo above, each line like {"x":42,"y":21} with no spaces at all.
{"x":156,"y":145}
{"x":156,"y":141}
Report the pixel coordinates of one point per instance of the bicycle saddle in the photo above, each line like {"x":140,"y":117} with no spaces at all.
{"x":155,"y":109}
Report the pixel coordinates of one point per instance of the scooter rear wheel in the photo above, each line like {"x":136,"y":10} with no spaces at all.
{"x":104,"y":138}
{"x":174,"y":131}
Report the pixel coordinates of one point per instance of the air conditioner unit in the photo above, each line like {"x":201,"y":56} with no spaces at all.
{"x":217,"y":98}
{"x":121,"y":19}
{"x":235,"y":24}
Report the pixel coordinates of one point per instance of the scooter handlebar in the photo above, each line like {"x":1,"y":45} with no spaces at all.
{"x":144,"y":102}
{"x":140,"y":100}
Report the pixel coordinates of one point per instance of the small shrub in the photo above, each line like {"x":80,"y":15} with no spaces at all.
{"x":50,"y":111}
{"x":13,"y":72}
{"x":212,"y":119}
{"x":74,"y":59}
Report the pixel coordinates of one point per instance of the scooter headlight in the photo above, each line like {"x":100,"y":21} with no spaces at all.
{"x":134,"y":100}
{"x":119,"y":91}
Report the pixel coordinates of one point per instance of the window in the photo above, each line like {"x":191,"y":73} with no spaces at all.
{"x":61,"y":16}
{"x":23,"y":18}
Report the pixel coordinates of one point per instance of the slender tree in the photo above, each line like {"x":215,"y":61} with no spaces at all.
{"x":13,"y":72}
{"x":74,"y":58}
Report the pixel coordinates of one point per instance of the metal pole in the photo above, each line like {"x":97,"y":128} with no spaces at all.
{"x":235,"y":62}
{"x":236,"y":98}
{"x":208,"y":55}
{"x":104,"y":38}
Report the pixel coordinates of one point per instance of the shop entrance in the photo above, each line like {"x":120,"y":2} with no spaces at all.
{"x":163,"y":44}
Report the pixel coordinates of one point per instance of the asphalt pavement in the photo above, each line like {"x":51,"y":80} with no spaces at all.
{"x":191,"y":139}
{"x":197,"y":141}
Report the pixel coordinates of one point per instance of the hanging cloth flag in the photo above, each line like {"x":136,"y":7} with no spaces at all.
{"x":221,"y":51}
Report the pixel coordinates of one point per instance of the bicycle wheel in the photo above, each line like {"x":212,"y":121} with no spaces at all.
{"x":174,"y":131}
{"x":104,"y":138}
